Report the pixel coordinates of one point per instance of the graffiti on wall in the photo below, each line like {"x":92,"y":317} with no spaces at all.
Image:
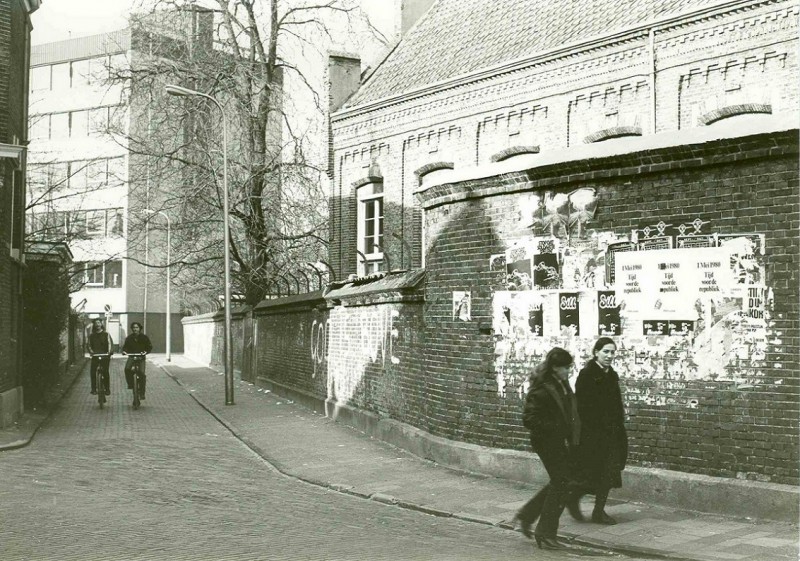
{"x":359,"y":337}
{"x":683,"y":304}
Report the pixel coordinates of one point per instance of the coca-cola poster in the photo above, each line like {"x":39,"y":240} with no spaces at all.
{"x":608,"y":323}
{"x":569,"y":312}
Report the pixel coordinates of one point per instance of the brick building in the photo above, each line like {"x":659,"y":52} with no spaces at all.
{"x":566,"y":170}
{"x":15,"y":30}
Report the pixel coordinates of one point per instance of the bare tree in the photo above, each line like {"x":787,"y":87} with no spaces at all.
{"x":243,"y":53}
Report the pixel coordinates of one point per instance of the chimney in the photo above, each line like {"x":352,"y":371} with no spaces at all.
{"x":411,"y":11}
{"x":344,"y":78}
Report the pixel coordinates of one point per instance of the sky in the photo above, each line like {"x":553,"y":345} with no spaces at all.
{"x":57,"y":20}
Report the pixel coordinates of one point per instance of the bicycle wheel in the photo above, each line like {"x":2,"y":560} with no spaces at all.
{"x":101,"y":388}
{"x":136,"y":402}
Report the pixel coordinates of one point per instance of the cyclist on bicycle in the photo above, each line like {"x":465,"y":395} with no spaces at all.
{"x":100,"y":343}
{"x":136,"y":342}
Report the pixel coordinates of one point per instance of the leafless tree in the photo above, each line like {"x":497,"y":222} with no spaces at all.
{"x":244,"y":54}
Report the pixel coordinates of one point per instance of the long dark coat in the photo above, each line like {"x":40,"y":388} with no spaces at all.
{"x":550,"y":416}
{"x":603,"y":450}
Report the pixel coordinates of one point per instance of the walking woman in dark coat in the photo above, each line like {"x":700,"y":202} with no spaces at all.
{"x":603,"y":450}
{"x":551,"y":416}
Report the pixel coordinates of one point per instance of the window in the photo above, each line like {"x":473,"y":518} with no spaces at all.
{"x":370,"y":227}
{"x":112,"y":274}
{"x":95,"y":223}
{"x":77,"y":179}
{"x":114,"y":223}
{"x":80,"y":73}
{"x":98,"y":70}
{"x":99,"y":274}
{"x":39,"y":127}
{"x":40,"y":78}
{"x":59,"y":126}
{"x":61,"y":79}
{"x":98,"y":121}
{"x":116,"y":171}
{"x":96,"y":173}
{"x":58,"y":176}
{"x":76,"y":224}
{"x":79,"y":124}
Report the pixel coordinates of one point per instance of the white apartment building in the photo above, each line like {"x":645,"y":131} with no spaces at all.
{"x":80,"y":182}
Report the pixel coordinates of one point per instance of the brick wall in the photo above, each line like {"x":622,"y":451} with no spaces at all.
{"x":744,"y":60}
{"x":736,"y":421}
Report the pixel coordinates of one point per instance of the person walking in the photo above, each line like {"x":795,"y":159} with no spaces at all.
{"x":603,"y":451}
{"x":551,"y":417}
{"x":136,"y":342}
{"x":100,"y":342}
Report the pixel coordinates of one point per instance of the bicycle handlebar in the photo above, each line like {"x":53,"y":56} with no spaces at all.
{"x":98,"y":354}
{"x":135,"y":354}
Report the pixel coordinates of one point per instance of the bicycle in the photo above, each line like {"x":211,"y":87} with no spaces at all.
{"x":102,"y":366}
{"x":136,"y":371}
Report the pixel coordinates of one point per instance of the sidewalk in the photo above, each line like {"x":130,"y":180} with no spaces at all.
{"x":313,"y":448}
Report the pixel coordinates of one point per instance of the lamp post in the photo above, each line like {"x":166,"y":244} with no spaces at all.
{"x":186,"y":92}
{"x":169,"y":308}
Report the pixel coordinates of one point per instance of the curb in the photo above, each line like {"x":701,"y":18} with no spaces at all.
{"x":36,"y":420}
{"x":393,"y":501}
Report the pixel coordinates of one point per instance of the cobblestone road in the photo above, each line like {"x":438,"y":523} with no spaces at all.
{"x":168,"y":482}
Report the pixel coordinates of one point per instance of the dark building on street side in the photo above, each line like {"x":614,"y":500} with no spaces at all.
{"x":15,"y":32}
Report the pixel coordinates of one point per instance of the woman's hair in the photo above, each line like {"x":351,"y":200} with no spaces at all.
{"x":555,"y":357}
{"x":136,"y":323}
{"x":602,"y":342}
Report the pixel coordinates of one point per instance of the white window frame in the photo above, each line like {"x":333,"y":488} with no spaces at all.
{"x":370,"y":194}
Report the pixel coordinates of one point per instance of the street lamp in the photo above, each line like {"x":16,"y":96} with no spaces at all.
{"x":186,"y":92}
{"x":169,"y":309}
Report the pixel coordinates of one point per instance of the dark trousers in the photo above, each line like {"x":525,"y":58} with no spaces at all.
{"x":129,"y":374}
{"x":549,"y":502}
{"x":93,"y":372}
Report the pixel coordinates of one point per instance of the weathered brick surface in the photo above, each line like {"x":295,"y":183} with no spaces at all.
{"x":733,"y":429}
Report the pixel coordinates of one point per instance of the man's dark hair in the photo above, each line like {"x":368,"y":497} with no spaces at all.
{"x":137,"y":323}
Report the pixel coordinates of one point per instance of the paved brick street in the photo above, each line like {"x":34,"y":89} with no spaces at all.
{"x":170,"y":482}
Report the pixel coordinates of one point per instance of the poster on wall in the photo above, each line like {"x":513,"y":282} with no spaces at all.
{"x":497,"y":267}
{"x":569,"y":312}
{"x":680,"y":328}
{"x":655,"y":243}
{"x":536,"y":317}
{"x":671,"y":279}
{"x":695,"y":241}
{"x":518,"y":268}
{"x":747,"y":256}
{"x":546,"y":269}
{"x":608,"y":320}
{"x":611,"y":252}
{"x":462,"y":305}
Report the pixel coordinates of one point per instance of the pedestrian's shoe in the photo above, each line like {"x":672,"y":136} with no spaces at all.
{"x":524,"y":525}
{"x":600,"y":517}
{"x":141,"y":395}
{"x":574,"y":508}
{"x":93,"y":392}
{"x":549,"y":543}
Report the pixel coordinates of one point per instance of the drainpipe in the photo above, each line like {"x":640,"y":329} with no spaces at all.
{"x":652,"y":36}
